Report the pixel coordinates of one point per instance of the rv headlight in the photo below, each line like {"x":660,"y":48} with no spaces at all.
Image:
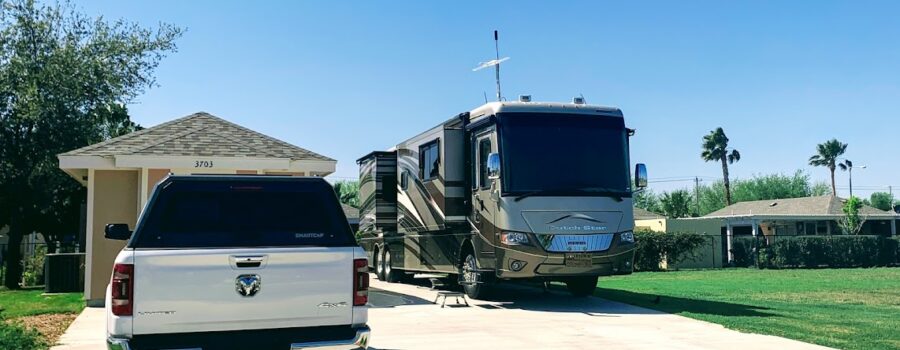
{"x":627,"y":236}
{"x":513,"y":238}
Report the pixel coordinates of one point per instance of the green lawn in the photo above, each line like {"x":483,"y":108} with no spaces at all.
{"x":17,"y":303}
{"x":842,"y":308}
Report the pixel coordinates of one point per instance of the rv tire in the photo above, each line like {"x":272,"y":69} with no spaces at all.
{"x":582,"y":286}
{"x":391,"y":275}
{"x":471,"y":280}
{"x":379,"y":264}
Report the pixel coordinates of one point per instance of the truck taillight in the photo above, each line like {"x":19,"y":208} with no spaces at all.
{"x":360,"y":282}
{"x":122,"y":286}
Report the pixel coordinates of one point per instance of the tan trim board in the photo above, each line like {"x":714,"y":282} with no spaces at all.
{"x":85,"y":162}
{"x":199,"y":162}
{"x":89,"y":233}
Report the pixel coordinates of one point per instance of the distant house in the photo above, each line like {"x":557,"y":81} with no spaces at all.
{"x":782,"y":217}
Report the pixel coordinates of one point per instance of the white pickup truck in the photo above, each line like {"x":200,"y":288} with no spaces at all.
{"x":238,"y":262}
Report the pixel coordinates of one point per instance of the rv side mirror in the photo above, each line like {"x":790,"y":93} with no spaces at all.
{"x":493,"y":166}
{"x":640,"y":176}
{"x":119,"y":232}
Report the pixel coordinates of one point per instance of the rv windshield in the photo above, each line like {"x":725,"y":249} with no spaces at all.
{"x":563,"y":154}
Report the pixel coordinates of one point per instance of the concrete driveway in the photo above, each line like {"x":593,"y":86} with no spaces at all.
{"x":402,"y":316}
{"x":521,"y":317}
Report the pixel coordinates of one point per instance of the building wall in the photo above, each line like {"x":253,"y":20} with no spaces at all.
{"x":709,"y":254}
{"x":113,"y":198}
{"x":657,"y":225}
{"x":154,"y":176}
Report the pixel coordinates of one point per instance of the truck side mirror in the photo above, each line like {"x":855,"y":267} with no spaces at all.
{"x":119,"y":232}
{"x":640,"y":176}
{"x":493,"y":166}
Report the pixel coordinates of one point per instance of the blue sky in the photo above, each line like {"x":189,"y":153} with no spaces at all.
{"x":346,"y":78}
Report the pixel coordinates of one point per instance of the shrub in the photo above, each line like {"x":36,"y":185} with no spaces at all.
{"x":15,"y":336}
{"x":743,"y":250}
{"x":652,"y":247}
{"x":829,"y":251}
{"x":649,"y":250}
{"x":33,"y":268}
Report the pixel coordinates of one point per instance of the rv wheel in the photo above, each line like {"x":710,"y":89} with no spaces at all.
{"x":391,"y":275}
{"x":470,"y":278}
{"x":582,"y":286}
{"x":379,"y":264}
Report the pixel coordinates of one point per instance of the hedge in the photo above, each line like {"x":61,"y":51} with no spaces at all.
{"x":829,"y":251}
{"x":652,"y":247}
{"x":743,"y":249}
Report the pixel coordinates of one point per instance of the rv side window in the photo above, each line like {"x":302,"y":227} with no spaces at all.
{"x":429,"y":160}
{"x":484,"y":149}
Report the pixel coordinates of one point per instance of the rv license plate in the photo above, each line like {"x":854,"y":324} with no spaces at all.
{"x":578,"y":260}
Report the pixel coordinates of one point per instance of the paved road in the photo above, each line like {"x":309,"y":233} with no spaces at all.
{"x":403,"y":317}
{"x":520,"y":317}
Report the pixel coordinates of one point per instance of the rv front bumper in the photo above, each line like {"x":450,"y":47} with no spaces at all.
{"x":516,"y":264}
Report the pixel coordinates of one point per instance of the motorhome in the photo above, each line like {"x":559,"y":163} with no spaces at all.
{"x":511,"y":190}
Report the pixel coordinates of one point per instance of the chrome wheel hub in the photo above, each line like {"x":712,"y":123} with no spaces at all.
{"x":470,"y":270}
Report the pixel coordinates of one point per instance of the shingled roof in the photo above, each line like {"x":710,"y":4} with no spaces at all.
{"x":199,"y":134}
{"x":643,"y":214}
{"x":804,"y":206}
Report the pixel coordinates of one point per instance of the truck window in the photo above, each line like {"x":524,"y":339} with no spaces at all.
{"x":195,"y":214}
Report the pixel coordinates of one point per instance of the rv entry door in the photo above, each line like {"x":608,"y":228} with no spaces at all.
{"x":483,"y":207}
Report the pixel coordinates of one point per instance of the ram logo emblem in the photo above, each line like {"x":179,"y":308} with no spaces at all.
{"x":248,"y":285}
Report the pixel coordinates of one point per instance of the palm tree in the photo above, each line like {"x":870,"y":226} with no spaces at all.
{"x":827,"y":155}
{"x":715,"y":148}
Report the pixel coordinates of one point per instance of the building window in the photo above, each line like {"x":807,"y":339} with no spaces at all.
{"x":429,"y":160}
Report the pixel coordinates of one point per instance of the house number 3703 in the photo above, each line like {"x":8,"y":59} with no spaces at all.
{"x":203,"y":164}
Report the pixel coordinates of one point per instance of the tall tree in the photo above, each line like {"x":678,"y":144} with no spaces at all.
{"x":882,"y":200}
{"x":64,"y":81}
{"x":646,"y":200}
{"x":827,"y":155}
{"x":676,"y":204}
{"x":760,"y":187}
{"x":347,"y":192}
{"x":715,"y":148}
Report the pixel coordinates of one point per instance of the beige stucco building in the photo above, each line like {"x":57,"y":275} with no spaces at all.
{"x":120,"y":173}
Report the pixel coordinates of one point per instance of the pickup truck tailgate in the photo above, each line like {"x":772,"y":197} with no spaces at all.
{"x":239,"y":289}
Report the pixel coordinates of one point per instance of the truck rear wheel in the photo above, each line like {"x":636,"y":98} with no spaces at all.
{"x":582,"y":286}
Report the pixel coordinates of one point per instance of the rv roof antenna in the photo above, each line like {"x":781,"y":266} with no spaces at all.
{"x":495,"y":63}
{"x":485,"y":96}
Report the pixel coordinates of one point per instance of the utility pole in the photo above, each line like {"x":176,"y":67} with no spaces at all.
{"x":697,"y":193}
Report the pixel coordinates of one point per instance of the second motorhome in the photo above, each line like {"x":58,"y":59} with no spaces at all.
{"x":507,"y":191}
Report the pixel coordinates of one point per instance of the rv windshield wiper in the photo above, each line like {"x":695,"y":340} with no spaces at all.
{"x":612,"y":192}
{"x":617,"y":194}
{"x":531,"y":193}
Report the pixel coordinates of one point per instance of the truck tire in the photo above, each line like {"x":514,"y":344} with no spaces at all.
{"x":391,"y":275}
{"x":582,"y":286}
{"x":470,"y":278}
{"x":379,"y":264}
